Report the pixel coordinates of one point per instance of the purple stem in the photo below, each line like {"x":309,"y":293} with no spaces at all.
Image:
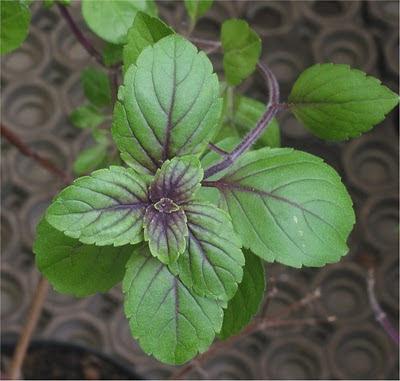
{"x":272,"y":109}
{"x":216,"y":149}
{"x":379,"y":314}
{"x":79,"y":35}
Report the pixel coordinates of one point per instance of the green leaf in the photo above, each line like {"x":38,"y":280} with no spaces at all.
{"x":247,"y":113}
{"x":105,"y":208}
{"x":288,"y":206}
{"x":212,"y":263}
{"x":111,"y":19}
{"x":242,"y":50}
{"x":49,"y":3}
{"x":169,"y":321}
{"x":14,"y":19}
{"x":112,"y":54}
{"x":197,"y":8}
{"x":146,"y":30}
{"x":247,"y":300}
{"x":96,"y":87}
{"x":169,"y":104}
{"x":75,"y":268}
{"x":90,"y":159}
{"x":86,"y":117}
{"x":336,"y":102}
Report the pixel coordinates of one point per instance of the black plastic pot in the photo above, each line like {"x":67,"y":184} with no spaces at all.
{"x":52,"y":360}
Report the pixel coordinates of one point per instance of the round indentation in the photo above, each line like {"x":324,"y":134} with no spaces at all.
{"x":359,"y":352}
{"x":371,"y":164}
{"x":293,"y":359}
{"x":69,"y":51}
{"x":387,"y":284}
{"x":391,"y":51}
{"x":9,"y":233}
{"x":346,"y":45}
{"x":380,"y":219}
{"x":57,"y":302}
{"x":84,"y":330}
{"x":29,"y":174}
{"x":329,"y":12}
{"x":30,"y":108}
{"x":385,"y":11}
{"x":12,"y":295}
{"x":72,"y":93}
{"x":121,"y":337}
{"x":28,"y":59}
{"x":271,"y":18}
{"x":291,"y":127}
{"x":343,"y":293}
{"x":31,"y":212}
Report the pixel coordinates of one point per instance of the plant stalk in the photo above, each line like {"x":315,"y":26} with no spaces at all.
{"x":32,"y":319}
{"x":272,"y":109}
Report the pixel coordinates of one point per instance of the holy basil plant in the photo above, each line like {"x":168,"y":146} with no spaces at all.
{"x":187,"y":229}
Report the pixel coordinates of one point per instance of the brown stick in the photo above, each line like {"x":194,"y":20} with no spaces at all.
{"x":15,"y":140}
{"x":35,"y":310}
{"x":257,"y":325}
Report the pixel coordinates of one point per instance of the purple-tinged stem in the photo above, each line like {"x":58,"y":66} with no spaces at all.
{"x":272,"y":109}
{"x":218,"y":150}
{"x":79,"y":35}
{"x":379,"y":314}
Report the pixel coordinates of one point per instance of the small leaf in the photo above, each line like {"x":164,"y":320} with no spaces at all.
{"x":90,"y":159}
{"x":246,"y":302}
{"x":165,"y":229}
{"x":14,"y":19}
{"x":75,"y":268}
{"x":288,"y":206}
{"x":86,"y":117}
{"x":96,"y":87}
{"x":247,"y":113}
{"x":169,"y":104}
{"x":146,"y":30}
{"x":169,"y":321}
{"x":197,"y":8}
{"x":178,"y":179}
{"x":336,"y":102}
{"x":105,"y":208}
{"x":212,"y":263}
{"x":112,"y":54}
{"x":111,"y":19}
{"x":242,"y":50}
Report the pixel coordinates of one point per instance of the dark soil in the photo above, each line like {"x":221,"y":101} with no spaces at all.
{"x":59,"y":361}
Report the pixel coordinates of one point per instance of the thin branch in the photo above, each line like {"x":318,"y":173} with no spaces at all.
{"x":216,"y":149}
{"x":206,"y":43}
{"x":113,"y":79}
{"x":272,"y":109}
{"x":256,"y":325}
{"x":28,"y":329}
{"x":88,"y":46}
{"x":15,"y":140}
{"x":379,"y":314}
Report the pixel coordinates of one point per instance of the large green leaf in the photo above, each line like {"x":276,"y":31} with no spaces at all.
{"x":105,"y":208}
{"x":75,"y":268}
{"x":242,"y":50}
{"x":111,"y":19}
{"x":96,"y":87}
{"x":336,"y":102}
{"x":14,"y":19}
{"x":197,"y":8}
{"x":288,"y":206}
{"x":146,"y":30}
{"x":246,"y":302}
{"x":171,"y":322}
{"x":168,"y":106}
{"x":212,"y":263}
